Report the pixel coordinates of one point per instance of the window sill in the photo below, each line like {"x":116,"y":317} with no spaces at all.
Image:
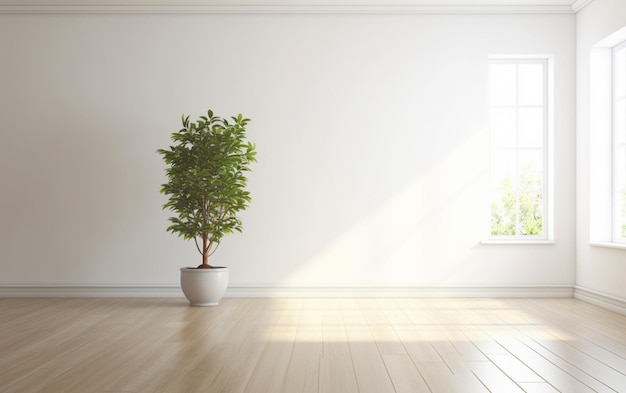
{"x":519,"y":242}
{"x":619,"y":246}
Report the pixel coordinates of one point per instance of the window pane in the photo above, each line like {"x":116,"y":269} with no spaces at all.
{"x":530,"y":84}
{"x":503,"y":214}
{"x":531,"y":170}
{"x":531,"y":127}
{"x":619,"y":144}
{"x":503,"y":171}
{"x":619,"y":170}
{"x":620,"y":73}
{"x":620,"y":121}
{"x":503,"y":127}
{"x":518,"y":126}
{"x":622,"y":221}
{"x":620,"y":215}
{"x":531,"y":213}
{"x":502,"y":84}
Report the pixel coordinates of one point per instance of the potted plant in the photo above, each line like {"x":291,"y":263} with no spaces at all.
{"x":206,"y":188}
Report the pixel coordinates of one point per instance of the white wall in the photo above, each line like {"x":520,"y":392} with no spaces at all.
{"x":598,"y":269}
{"x":371,"y":132}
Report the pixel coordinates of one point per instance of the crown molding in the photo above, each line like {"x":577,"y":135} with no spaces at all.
{"x":289,"y":7}
{"x":578,"y":5}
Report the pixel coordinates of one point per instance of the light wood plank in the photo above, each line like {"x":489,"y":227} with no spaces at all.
{"x":549,"y":372}
{"x":515,"y":369}
{"x":310,"y":345}
{"x":303,"y":372}
{"x":438,"y":377}
{"x":336,"y":369}
{"x":269,"y":373}
{"x":441,"y":379}
{"x":369,"y":368}
{"x":610,"y":359}
{"x":485,"y":344}
{"x":579,"y":365}
{"x":405,"y":376}
{"x":383,"y":333}
{"x":538,"y":387}
{"x":493,"y":378}
{"x":464,"y":346}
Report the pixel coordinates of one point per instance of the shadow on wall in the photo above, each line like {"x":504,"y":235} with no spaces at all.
{"x":67,"y":192}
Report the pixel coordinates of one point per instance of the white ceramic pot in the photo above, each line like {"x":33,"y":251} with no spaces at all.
{"x":204,"y":287}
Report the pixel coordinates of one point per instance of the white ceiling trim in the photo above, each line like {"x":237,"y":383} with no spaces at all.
{"x":578,"y":5}
{"x":295,"y":7}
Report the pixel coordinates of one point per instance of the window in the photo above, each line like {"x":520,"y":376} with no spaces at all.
{"x":519,"y":114}
{"x":619,"y":143}
{"x":607,"y":141}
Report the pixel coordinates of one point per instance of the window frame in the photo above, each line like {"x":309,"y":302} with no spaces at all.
{"x":547,"y":235}
{"x":616,"y":202}
{"x":601,"y":193}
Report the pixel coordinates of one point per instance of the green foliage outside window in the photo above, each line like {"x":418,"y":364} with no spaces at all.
{"x":518,"y":210}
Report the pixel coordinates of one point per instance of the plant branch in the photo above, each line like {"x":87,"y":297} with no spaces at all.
{"x":215,"y":249}
{"x":195,"y":239}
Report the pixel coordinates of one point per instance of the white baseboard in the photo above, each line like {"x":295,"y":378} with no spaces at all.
{"x":95,"y":291}
{"x":600,"y":299}
{"x":285,"y":291}
{"x":472,"y":291}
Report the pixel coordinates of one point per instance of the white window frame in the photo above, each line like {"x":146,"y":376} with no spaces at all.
{"x":616,"y":188}
{"x":547,"y":235}
{"x":601,"y":141}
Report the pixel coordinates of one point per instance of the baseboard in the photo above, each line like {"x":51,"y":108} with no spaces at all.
{"x":104,"y":291}
{"x":464,"y":291}
{"x":600,"y":299}
{"x":285,"y":291}
{"x":288,"y":291}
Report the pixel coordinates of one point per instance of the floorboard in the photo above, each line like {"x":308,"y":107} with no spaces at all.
{"x":311,"y":346}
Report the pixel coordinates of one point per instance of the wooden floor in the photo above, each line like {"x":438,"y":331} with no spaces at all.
{"x":311,"y":345}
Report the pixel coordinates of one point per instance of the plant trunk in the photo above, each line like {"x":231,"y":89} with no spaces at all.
{"x":205,"y":253}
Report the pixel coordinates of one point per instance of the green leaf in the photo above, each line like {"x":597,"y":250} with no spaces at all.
{"x":206,"y":185}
